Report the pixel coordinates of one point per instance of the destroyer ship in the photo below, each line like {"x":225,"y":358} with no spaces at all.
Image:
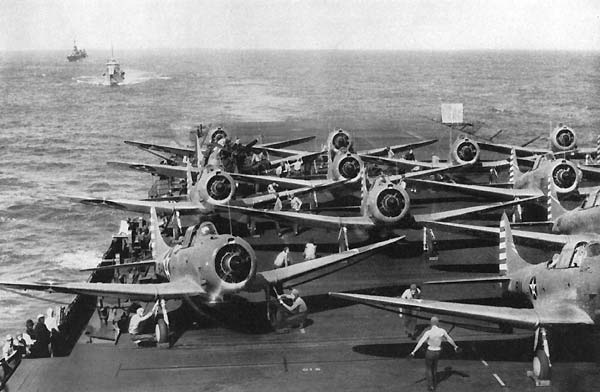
{"x":77,"y":54}
{"x":113,"y":75}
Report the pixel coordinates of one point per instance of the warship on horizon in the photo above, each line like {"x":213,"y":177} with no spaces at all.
{"x":77,"y":54}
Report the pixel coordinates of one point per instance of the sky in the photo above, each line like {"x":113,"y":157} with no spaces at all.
{"x":301,"y":24}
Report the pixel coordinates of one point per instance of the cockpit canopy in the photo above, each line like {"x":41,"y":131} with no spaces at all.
{"x":574,"y":257}
{"x":200,"y":230}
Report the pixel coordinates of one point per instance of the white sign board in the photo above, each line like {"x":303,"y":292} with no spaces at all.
{"x":452,"y":113}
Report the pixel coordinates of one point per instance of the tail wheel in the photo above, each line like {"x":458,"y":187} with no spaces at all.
{"x":162,"y":331}
{"x":541,"y":365}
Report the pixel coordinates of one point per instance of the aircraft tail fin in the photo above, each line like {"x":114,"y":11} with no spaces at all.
{"x":509,"y":259}
{"x":159,"y":246}
{"x":554,"y":208}
{"x":514,"y":171}
{"x":191,"y":189}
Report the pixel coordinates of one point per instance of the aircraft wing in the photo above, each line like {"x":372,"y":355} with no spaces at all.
{"x":161,"y":170}
{"x":545,"y":238}
{"x":507,"y":148}
{"x":438,"y":216}
{"x":428,"y":172}
{"x":284,"y":143}
{"x":406,"y":164}
{"x":479,"y":190}
{"x":144,"y":206}
{"x":297,"y":270}
{"x":590,"y":172}
{"x":518,"y":317}
{"x":271,"y":197}
{"x":397,"y":148}
{"x":503,"y":163}
{"x":180,"y":151}
{"x":281,"y":181}
{"x":311,"y":220}
{"x":136,"y":292}
{"x":304,"y":156}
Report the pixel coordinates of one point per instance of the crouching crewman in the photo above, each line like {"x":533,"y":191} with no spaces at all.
{"x":293,"y":312}
{"x":136,"y":325}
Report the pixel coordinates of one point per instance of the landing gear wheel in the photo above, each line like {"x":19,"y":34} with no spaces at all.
{"x":162,"y":331}
{"x":541,"y":365}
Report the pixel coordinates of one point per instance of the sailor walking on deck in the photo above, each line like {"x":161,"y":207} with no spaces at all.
{"x":434,"y":338}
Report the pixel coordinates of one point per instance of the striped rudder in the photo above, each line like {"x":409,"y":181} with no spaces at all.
{"x":549,"y":199}
{"x":513,"y":170}
{"x":364,"y":193}
{"x":509,"y":259}
{"x":502,"y":267}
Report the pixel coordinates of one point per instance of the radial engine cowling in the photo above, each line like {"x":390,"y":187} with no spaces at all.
{"x":387,"y":203}
{"x":346,"y":166}
{"x":216,"y":134}
{"x":565,"y":176}
{"x":339,"y":140}
{"x":563,"y":138}
{"x":465,"y":151}
{"x":216,"y":186}
{"x":225,"y":263}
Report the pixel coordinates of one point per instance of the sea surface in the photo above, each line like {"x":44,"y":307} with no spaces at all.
{"x":59,"y":125}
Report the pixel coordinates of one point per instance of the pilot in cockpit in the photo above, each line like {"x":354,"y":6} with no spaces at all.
{"x":207,"y":228}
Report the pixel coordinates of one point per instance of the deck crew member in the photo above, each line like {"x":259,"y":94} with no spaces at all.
{"x":410,"y":322}
{"x":29,"y":334}
{"x":310,"y":250}
{"x":297,"y":310}
{"x":21,"y":346}
{"x":298,"y":166}
{"x":409,"y":156}
{"x":43,"y":337}
{"x":136,"y":325}
{"x":283,"y":258}
{"x":51,"y":322}
{"x":434,"y":338}
{"x":277,"y":207}
{"x":9,"y":347}
{"x":296,"y":205}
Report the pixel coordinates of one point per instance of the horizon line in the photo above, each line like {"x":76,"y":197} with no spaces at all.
{"x":223,"y":49}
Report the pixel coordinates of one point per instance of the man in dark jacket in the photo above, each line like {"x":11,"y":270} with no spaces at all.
{"x":43,"y":337}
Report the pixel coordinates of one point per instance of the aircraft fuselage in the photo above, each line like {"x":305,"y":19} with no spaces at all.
{"x":572,"y":276}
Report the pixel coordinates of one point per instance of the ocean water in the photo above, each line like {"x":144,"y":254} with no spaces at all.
{"x":59,"y":125}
